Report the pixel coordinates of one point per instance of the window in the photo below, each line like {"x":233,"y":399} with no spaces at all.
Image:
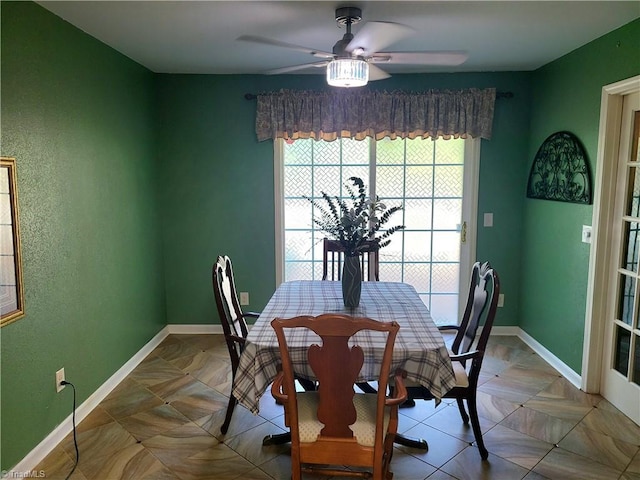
{"x":424,"y":175}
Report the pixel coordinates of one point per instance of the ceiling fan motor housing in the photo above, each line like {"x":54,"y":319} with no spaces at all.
{"x":348,"y":15}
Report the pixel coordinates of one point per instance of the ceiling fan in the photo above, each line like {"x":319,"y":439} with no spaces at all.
{"x":352,"y":61}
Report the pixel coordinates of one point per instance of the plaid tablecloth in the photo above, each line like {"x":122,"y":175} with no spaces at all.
{"x":419,"y":347}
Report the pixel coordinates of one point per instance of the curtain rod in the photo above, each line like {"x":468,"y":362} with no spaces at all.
{"x":253,"y":96}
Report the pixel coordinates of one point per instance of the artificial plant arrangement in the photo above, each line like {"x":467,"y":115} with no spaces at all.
{"x":355,"y":226}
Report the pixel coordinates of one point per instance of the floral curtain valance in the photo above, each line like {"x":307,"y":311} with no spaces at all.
{"x":291,"y":114}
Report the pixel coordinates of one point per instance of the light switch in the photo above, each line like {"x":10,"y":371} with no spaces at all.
{"x":586,"y":233}
{"x":488,"y":219}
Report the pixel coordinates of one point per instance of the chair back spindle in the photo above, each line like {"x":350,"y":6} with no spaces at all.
{"x":228,"y":305}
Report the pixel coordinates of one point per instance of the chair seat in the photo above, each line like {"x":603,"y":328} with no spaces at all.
{"x":364,"y":429}
{"x":462,"y":379}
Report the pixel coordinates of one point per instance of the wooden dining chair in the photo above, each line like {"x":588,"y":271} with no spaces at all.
{"x":467,"y":349}
{"x":333,"y":258}
{"x":334,"y":427}
{"x":233,"y":321}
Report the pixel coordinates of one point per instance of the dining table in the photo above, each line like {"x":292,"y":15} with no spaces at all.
{"x":419,"y":347}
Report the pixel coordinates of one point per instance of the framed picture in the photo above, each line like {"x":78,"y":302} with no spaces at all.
{"x":11,"y":292}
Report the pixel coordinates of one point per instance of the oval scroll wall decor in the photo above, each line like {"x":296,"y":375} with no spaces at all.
{"x":560,"y":171}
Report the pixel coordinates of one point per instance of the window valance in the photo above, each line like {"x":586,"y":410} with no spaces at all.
{"x":327,"y":115}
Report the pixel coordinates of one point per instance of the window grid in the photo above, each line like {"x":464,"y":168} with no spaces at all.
{"x":434,"y":273}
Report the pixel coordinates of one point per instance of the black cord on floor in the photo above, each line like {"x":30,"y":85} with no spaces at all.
{"x":73,"y":417}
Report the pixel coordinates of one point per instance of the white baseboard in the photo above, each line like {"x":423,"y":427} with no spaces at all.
{"x":567,"y":372}
{"x":33,"y":458}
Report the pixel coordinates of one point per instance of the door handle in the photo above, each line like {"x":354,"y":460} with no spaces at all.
{"x":463,"y":233}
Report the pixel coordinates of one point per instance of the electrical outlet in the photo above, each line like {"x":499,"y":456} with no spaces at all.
{"x":59,"y":379}
{"x":501,"y":300}
{"x":244,"y":298}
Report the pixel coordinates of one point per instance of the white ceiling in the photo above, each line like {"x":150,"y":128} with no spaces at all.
{"x":200,"y":36}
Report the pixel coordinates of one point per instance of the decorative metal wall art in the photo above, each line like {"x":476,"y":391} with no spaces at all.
{"x":560,"y":171}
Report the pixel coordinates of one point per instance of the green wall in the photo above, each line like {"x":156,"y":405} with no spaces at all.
{"x":566,"y":96}
{"x":80,"y":120}
{"x":218,"y":193}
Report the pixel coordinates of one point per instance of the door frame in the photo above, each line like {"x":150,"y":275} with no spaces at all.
{"x":603,"y":215}
{"x":471,"y":186}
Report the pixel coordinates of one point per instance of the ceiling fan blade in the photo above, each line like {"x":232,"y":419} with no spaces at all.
{"x":294,"y":68}
{"x":278,"y":43}
{"x":376,"y":73}
{"x":421,"y":58}
{"x":375,"y":36}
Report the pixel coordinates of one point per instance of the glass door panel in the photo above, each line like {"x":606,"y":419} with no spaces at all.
{"x":424,"y":175}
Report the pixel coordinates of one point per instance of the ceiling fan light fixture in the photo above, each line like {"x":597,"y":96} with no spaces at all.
{"x":347,"y":72}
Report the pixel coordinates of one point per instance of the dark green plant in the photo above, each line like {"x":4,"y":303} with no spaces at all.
{"x":355,"y":225}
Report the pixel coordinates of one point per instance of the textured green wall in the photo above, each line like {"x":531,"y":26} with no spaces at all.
{"x":217,"y":183}
{"x":80,"y":120}
{"x":566,"y":96}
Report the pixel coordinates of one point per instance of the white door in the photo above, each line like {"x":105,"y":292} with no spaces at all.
{"x":436,"y":181}
{"x":621,"y":359}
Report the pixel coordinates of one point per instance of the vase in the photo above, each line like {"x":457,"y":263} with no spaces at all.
{"x":351,"y":281}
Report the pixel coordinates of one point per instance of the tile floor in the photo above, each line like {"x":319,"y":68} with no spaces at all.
{"x":163,"y":422}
